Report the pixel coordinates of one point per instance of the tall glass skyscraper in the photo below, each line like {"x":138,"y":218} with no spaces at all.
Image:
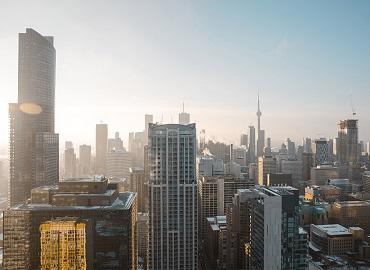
{"x":173,"y":224}
{"x":34,"y":147}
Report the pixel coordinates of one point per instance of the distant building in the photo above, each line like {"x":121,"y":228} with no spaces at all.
{"x":118,"y":164}
{"x":69,"y":161}
{"x":244,"y":140}
{"x":307,"y":164}
{"x":85,"y":160}
{"x":139,"y":185}
{"x":352,"y":213}
{"x":332,"y":239}
{"x":101,"y":147}
{"x":293,"y":167}
{"x":266,"y":165}
{"x":326,"y":193}
{"x":110,"y":244}
{"x":322,"y":151}
{"x":115,"y":143}
{"x":347,"y":141}
{"x":184,"y":118}
{"x":252,"y":145}
{"x":291,"y":149}
{"x":321,"y":174}
{"x":279,"y":179}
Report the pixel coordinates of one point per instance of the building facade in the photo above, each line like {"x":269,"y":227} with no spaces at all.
{"x":173,"y":213}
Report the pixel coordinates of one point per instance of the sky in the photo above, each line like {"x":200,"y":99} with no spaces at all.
{"x":118,"y":60}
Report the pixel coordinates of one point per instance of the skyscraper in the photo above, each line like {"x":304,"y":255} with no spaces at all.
{"x":85,"y":160}
{"x":184,"y":117}
{"x":34,"y":147}
{"x":101,"y":148}
{"x":173,"y":223}
{"x":252,"y":144}
{"x":69,"y":161}
{"x":347,"y":143}
{"x":322,"y":151}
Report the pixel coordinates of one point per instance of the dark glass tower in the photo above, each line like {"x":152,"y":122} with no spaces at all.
{"x":33,"y":145}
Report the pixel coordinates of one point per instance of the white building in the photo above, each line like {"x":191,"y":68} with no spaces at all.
{"x":118,"y":164}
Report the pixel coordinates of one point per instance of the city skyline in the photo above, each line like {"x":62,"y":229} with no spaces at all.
{"x":146,"y":69}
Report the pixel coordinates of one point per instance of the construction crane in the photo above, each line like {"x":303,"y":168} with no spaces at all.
{"x":353,"y":108}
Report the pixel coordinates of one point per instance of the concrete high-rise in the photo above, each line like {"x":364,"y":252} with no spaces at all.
{"x":33,"y":147}
{"x":69,"y":161}
{"x":101,"y":148}
{"x":85,"y":160}
{"x":173,"y":214}
{"x":266,"y":165}
{"x":252,"y":145}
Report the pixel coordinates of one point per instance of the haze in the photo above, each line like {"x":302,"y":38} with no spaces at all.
{"x":117,"y":60}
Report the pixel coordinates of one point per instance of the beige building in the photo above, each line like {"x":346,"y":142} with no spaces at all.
{"x":332,"y":239}
{"x":321,"y":174}
{"x":266,"y":165}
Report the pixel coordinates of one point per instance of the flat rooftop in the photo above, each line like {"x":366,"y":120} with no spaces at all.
{"x":122,"y":202}
{"x":334,"y":229}
{"x":351,"y":203}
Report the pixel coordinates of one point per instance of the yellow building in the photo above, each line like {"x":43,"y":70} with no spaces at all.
{"x":63,"y":244}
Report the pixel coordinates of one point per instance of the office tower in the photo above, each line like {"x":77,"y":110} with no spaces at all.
{"x":351,"y":213}
{"x":322,"y":151}
{"x":211,"y":200}
{"x":240,"y":156}
{"x":260,"y":143}
{"x":143,"y":239}
{"x":208,"y":166}
{"x":321,"y":174}
{"x":291,"y":149}
{"x":366,"y":183}
{"x":69,"y":161}
{"x":293,"y":167}
{"x":307,"y":163}
{"x":368,"y":148}
{"x":216,"y":243}
{"x":231,"y":186}
{"x":85,"y":160}
{"x":275,"y":229}
{"x":64,"y":243}
{"x":266,"y":165}
{"x":138,"y":184}
{"x":238,"y":229}
{"x":184,"y":118}
{"x":33,"y":145}
{"x":244,"y":140}
{"x":115,"y":143}
{"x":307,"y":145}
{"x":219,"y":150}
{"x":279,"y":179}
{"x":252,"y":144}
{"x":347,"y":143}
{"x":173,"y":214}
{"x":111,"y":214}
{"x":118,"y":164}
{"x":101,"y":148}
{"x":331,"y":150}
{"x":299,"y":152}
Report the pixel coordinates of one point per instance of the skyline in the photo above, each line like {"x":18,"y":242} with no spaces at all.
{"x":140,"y":68}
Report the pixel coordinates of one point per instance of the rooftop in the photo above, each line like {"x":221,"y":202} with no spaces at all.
{"x":333,"y":229}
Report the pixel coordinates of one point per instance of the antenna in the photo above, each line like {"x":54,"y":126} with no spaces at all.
{"x":162,"y":119}
{"x":183,"y":106}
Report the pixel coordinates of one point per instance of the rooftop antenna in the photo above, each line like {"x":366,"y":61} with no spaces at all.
{"x":162,"y":119}
{"x":183,"y":107}
{"x":352,"y":107}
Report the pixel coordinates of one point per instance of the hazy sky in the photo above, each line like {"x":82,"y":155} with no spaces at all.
{"x":117,"y":60}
